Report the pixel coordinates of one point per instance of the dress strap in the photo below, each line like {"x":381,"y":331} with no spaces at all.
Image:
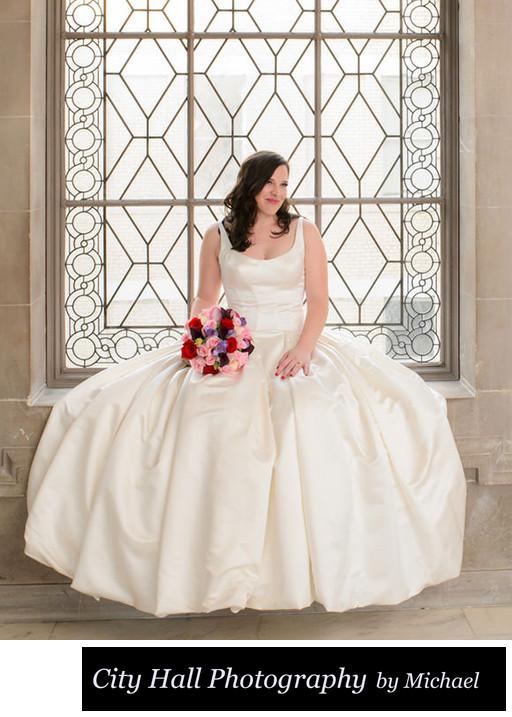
{"x":300,"y":237}
{"x":298,"y":244}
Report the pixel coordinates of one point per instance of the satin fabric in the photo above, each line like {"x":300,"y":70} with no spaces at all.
{"x":176,"y":492}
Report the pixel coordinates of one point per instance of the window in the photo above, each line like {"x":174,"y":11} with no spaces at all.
{"x":156,"y":103}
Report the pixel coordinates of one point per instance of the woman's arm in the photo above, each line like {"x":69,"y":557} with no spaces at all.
{"x":317,"y":292}
{"x":317,"y":297}
{"x":210,"y":281}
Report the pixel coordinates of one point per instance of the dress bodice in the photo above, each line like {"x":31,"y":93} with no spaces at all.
{"x":269,"y":293}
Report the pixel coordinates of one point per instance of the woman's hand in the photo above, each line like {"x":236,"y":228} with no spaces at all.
{"x":293,"y":360}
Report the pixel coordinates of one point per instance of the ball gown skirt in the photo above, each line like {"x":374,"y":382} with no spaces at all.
{"x":174,"y":492}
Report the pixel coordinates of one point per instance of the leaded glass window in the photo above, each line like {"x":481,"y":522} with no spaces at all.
{"x":158,"y":102}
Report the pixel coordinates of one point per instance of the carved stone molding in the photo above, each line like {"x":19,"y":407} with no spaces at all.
{"x":489,"y":456}
{"x":14,"y":468}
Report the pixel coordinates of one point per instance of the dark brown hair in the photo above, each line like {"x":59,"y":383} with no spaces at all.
{"x":254,"y":172}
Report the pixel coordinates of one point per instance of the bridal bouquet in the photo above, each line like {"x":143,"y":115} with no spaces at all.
{"x":217,"y":341}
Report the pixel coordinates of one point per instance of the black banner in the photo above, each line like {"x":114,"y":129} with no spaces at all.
{"x":280,"y":678}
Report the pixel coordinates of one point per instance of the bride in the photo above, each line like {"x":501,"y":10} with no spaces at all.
{"x":259,"y":217}
{"x":322,"y":470}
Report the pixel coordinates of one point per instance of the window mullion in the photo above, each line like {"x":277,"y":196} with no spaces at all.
{"x":190,"y":156}
{"x":318,"y":113}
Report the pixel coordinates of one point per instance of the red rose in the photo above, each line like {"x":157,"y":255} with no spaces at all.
{"x":188,"y":350}
{"x":195,"y":323}
{"x":228,"y":323}
{"x":231,"y":345}
{"x":210,"y":369}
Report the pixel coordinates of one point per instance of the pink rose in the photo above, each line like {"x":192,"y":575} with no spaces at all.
{"x":197,"y":364}
{"x":212,"y":342}
{"x":243,"y":358}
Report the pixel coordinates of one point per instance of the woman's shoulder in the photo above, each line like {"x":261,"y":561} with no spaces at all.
{"x":214,"y":229}
{"x":310,"y":228}
{"x":313,"y":242}
{"x":305,"y":220}
{"x":211,"y":238}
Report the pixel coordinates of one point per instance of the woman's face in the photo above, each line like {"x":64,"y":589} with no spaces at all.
{"x":274,"y":192}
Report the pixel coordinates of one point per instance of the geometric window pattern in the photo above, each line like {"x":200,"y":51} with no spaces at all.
{"x":164,"y":99}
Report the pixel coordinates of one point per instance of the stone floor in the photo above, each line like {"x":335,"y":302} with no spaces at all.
{"x":472,"y":623}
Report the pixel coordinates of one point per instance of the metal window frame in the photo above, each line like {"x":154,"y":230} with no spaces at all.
{"x":448,"y":368}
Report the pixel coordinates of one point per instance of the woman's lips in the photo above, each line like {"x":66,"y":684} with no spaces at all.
{"x":273,"y":201}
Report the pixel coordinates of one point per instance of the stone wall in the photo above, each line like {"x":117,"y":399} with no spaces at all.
{"x":22,"y":274}
{"x":483,"y":425}
{"x":480,"y":406}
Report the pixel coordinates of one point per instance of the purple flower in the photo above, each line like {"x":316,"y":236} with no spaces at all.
{"x":220,"y":348}
{"x":243,"y":321}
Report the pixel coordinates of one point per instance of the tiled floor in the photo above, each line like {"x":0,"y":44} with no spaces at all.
{"x":429,"y":624}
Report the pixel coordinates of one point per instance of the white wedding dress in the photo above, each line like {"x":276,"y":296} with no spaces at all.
{"x":159,"y":487}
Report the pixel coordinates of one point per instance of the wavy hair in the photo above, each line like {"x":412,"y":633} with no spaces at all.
{"x":254,"y":172}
